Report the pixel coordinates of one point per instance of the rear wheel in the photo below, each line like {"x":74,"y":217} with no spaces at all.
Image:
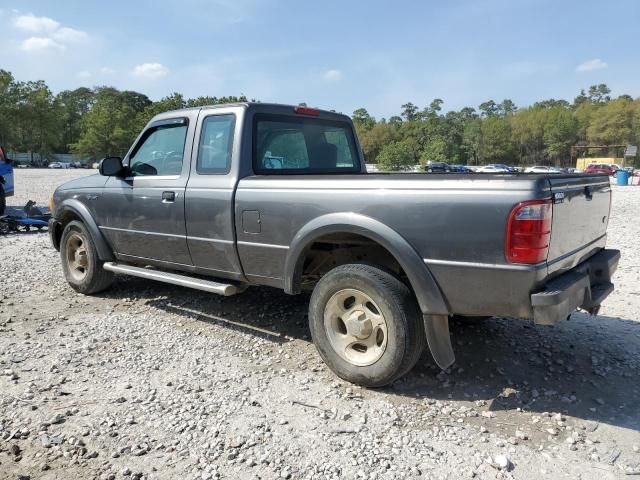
{"x":80,"y":263}
{"x":366,"y":325}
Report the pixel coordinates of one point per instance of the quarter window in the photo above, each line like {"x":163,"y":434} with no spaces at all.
{"x":216,"y":144}
{"x":161,"y":151}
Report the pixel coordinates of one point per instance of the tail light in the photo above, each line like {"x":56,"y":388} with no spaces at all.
{"x":529,"y":232}
{"x":301,"y":110}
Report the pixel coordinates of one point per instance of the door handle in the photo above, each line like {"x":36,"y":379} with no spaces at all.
{"x":168,"y":197}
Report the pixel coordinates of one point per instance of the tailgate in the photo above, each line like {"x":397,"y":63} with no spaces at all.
{"x":580,"y":217}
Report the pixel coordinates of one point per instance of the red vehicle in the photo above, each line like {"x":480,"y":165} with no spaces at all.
{"x":600,"y":168}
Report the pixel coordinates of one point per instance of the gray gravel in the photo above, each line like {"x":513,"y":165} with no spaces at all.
{"x":152,"y":381}
{"x":39,"y":183}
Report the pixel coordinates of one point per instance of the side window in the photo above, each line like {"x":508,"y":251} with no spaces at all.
{"x":216,"y":144}
{"x":161,"y":150}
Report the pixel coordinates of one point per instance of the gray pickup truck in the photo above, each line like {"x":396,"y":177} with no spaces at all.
{"x":225,"y":197}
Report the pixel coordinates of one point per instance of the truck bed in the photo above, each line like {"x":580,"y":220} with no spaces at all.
{"x":455,"y":222}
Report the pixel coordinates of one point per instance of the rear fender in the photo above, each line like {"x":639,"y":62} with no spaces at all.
{"x":422,"y":282}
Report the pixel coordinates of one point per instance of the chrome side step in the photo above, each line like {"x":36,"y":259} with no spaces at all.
{"x":225,"y":289}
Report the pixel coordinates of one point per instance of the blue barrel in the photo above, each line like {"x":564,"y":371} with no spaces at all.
{"x":622,"y":177}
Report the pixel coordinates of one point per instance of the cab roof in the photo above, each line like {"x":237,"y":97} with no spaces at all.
{"x":276,"y":108}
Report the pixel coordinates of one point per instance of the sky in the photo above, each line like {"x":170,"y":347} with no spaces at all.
{"x":333,"y":54}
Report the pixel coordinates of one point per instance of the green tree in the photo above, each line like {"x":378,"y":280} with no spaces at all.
{"x":488,"y":108}
{"x":612,"y":123}
{"x":496,"y":141}
{"x":433,"y":110}
{"x":560,"y":133}
{"x":74,"y":105}
{"x":580,"y":99}
{"x":7,"y":106}
{"x":134,"y":100}
{"x":373,"y":140}
{"x":551,"y":103}
{"x":472,"y":140}
{"x":409,"y":111}
{"x":435,"y":150}
{"x":396,"y":156}
{"x":599,"y":94}
{"x":35,"y":119}
{"x":362,"y":119}
{"x":507,"y":107}
{"x":108,"y":128}
{"x":175,"y":101}
{"x":527,"y":134}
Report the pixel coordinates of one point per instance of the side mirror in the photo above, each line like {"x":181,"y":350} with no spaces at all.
{"x":111,"y":166}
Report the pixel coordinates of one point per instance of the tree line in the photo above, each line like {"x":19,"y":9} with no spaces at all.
{"x":89,"y":122}
{"x":542,"y":133}
{"x":96,"y":122}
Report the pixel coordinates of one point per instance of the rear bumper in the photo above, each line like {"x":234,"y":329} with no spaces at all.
{"x":585,"y":286}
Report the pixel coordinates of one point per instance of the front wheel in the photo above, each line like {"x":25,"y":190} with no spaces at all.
{"x":366,"y":325}
{"x":80,"y":263}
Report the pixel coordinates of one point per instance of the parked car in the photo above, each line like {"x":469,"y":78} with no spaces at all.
{"x":508,"y":168}
{"x":492,"y":169}
{"x":55,"y":165}
{"x":460,"y":169}
{"x":389,"y":258}
{"x":432,"y":167}
{"x":542,"y":169}
{"x":6,"y":179}
{"x":601,"y":168}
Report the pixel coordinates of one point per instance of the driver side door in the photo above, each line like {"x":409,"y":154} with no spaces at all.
{"x":142,"y":215}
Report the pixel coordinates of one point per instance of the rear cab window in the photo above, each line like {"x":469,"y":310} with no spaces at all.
{"x":285,"y":144}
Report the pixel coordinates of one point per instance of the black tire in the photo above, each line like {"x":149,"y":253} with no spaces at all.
{"x":91,"y":277}
{"x":405,"y":337}
{"x":3,"y":201}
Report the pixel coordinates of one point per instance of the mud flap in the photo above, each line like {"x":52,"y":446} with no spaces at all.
{"x":436,"y":328}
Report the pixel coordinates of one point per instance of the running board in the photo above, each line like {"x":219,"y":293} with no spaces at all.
{"x":225,"y":289}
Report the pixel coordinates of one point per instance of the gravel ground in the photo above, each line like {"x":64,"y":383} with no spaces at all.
{"x":39,"y":183}
{"x":147,"y":380}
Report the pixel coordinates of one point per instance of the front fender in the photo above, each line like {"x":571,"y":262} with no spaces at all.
{"x":424,"y":285}
{"x":71,"y":204}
